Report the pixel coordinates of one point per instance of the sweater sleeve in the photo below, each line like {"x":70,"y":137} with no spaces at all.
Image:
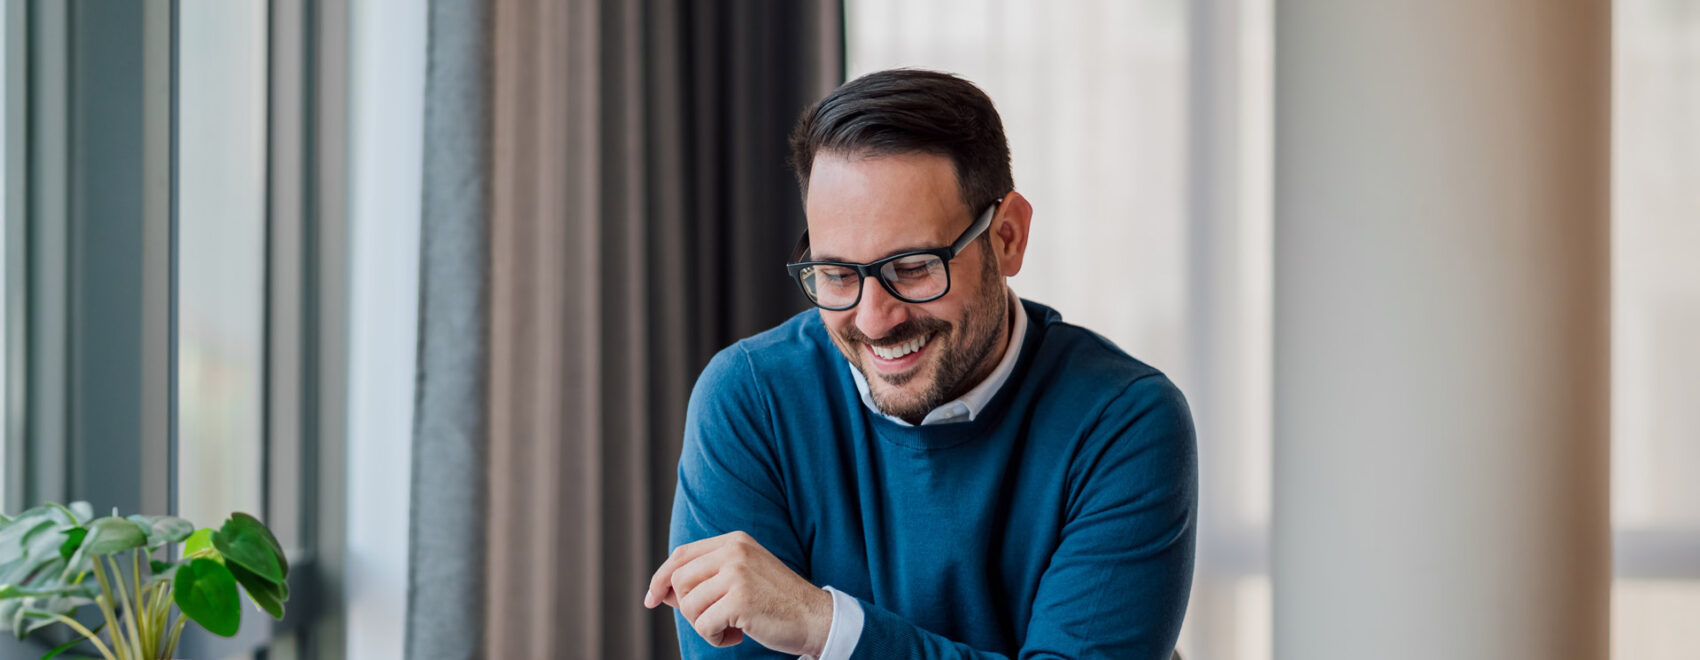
{"x":729,"y":480}
{"x":1118,"y":583}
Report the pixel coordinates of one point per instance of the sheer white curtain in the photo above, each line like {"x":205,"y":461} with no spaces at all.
{"x":1140,"y":131}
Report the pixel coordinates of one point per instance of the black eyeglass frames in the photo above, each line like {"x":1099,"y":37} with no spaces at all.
{"x":915,"y":277}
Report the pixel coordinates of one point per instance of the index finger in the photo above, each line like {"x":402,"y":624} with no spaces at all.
{"x":662,"y":581}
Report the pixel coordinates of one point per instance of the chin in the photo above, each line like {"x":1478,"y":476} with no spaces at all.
{"x":901,"y":401}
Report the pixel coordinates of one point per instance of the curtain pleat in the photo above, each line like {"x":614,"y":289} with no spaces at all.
{"x":446,"y":541}
{"x":641,"y":211}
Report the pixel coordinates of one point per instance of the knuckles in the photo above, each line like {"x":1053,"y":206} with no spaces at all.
{"x":738,"y":570}
{"x":742,"y":546}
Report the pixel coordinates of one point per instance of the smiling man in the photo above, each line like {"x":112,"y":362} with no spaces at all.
{"x":926,"y":466}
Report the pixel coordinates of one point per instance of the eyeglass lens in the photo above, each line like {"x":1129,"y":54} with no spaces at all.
{"x":915,"y":278}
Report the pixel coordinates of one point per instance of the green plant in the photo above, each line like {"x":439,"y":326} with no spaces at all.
{"x":48,"y":553}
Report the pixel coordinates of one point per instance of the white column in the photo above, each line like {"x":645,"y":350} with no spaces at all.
{"x":1442,"y":184}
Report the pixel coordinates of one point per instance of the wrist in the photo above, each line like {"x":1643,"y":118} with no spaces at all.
{"x":819,"y":622}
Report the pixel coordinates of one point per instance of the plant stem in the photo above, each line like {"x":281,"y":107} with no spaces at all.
{"x":104,"y":600}
{"x":144,"y":599}
{"x":176,"y":631}
{"x":141,"y":603}
{"x":107,"y":653}
{"x":160,"y":610}
{"x":165,"y":609}
{"x":134,"y":642}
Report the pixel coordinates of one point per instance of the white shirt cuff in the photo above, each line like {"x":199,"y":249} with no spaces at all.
{"x":846,"y":627}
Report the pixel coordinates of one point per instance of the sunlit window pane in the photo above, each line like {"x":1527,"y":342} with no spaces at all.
{"x":1655,"y":272}
{"x":1655,"y":319}
{"x":221,"y":256}
{"x":1093,"y":100}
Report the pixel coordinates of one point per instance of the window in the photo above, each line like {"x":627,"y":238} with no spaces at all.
{"x":1148,"y":227}
{"x":1655,"y":326}
{"x":221,"y":293}
{"x":163,"y":336}
{"x":1114,"y":109}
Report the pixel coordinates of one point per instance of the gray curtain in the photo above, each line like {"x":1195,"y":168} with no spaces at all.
{"x":640,"y":212}
{"x":447,"y":544}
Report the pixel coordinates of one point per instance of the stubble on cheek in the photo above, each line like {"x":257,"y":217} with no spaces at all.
{"x":889,"y":390}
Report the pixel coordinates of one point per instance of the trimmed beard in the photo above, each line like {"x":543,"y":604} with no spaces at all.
{"x":963,"y":364}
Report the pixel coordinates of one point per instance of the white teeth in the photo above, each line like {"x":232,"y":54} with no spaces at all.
{"x":901,"y":350}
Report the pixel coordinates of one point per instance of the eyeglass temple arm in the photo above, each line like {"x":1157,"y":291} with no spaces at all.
{"x":802,"y":246}
{"x":974,"y":230}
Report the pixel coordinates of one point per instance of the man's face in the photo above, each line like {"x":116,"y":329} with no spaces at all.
{"x":915,"y":356}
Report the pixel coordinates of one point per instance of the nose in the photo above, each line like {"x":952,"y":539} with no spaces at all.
{"x":879,"y":312}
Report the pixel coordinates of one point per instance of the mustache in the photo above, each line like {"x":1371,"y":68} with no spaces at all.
{"x":901,"y":334}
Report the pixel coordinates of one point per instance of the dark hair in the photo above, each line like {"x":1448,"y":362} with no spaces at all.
{"x":901,"y":111}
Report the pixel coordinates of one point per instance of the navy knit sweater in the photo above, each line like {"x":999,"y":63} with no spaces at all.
{"x":1059,"y":523}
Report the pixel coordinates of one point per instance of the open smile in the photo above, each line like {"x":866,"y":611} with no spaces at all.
{"x":895,"y":359}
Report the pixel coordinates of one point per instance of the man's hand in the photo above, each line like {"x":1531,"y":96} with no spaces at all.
{"x":729,"y":586}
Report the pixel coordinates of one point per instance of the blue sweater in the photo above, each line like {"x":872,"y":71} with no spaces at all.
{"x":1057,"y":524}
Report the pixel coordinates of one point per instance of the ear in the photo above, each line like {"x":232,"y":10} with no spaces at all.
{"x":1009,"y":232}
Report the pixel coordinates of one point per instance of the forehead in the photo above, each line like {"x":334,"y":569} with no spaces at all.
{"x":862,"y":207}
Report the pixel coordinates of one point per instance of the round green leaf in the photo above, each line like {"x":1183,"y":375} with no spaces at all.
{"x":73,"y":540}
{"x":161,"y":571}
{"x":268,"y":595}
{"x":13,"y":531}
{"x":113,"y":535}
{"x":32,"y":544}
{"x":106,"y":536}
{"x":206,"y":592}
{"x":198,"y":542}
{"x":163,"y":529}
{"x":265,"y":533}
{"x":271,"y":540}
{"x":245,"y":541}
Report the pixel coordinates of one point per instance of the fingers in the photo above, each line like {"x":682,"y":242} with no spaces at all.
{"x":696,"y":601}
{"x":717,"y":624}
{"x":729,"y":587}
{"x":687,"y":578}
{"x":708,"y":609}
{"x":662,"y":581}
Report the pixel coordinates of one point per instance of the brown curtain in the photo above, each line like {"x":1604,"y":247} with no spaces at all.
{"x":641,"y":211}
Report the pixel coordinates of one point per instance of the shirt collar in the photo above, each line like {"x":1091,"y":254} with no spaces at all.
{"x":968,"y":406}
